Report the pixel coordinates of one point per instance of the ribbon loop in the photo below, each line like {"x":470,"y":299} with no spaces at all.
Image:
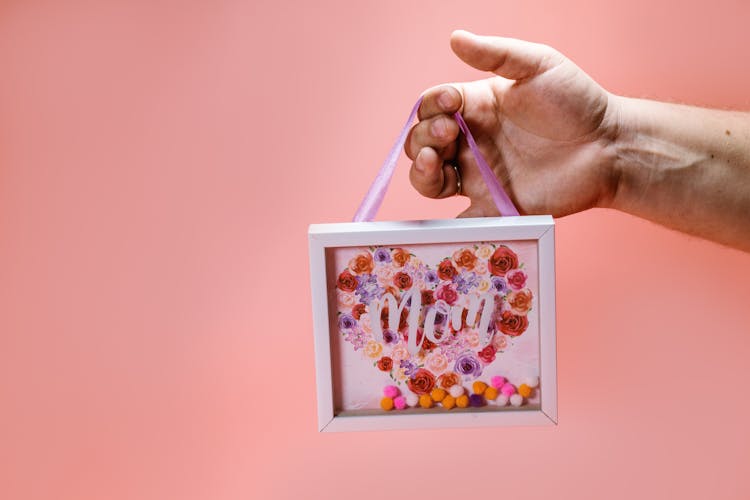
{"x":375,"y":194}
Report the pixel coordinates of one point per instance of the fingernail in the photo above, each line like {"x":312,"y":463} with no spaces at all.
{"x":418,"y":166}
{"x":445,"y":99}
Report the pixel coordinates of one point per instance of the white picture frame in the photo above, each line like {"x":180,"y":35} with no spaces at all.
{"x":323,"y":237}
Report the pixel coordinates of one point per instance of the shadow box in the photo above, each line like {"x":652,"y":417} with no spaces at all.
{"x":434,"y":324}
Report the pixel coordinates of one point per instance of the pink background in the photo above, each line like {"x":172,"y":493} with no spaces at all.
{"x":159,"y":164}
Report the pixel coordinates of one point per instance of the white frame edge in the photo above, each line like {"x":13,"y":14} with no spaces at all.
{"x":537,"y":227}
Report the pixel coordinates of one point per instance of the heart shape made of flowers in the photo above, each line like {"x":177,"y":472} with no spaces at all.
{"x":459,"y":352}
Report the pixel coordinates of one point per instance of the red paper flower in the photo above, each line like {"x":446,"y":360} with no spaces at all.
{"x":385,"y":364}
{"x":447,"y":293}
{"x":503,"y":260}
{"x":422,"y":382}
{"x":487,"y":354}
{"x":512,"y":324}
{"x":402,"y":280}
{"x":446,"y":271}
{"x":358,"y":311}
{"x":347,"y":282}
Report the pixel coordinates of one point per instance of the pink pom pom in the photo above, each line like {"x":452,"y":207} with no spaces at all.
{"x":399,"y":402}
{"x":497,"y":381}
{"x":391,"y":391}
{"x":508,"y":390}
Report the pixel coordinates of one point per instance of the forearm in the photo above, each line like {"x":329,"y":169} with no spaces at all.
{"x":684,"y":167}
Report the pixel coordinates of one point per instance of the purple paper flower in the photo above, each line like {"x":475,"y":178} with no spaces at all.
{"x":431,"y":277}
{"x":499,"y":284}
{"x":408,"y":367}
{"x":347,"y":322}
{"x":467,"y":364}
{"x":382,"y":255}
{"x":390,"y":337}
{"x":466,"y":281}
{"x":368,"y":288}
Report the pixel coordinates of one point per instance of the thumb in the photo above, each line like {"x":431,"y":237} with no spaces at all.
{"x":507,"y":57}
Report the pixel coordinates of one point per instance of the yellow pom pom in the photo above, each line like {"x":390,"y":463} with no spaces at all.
{"x":490,"y":393}
{"x":425,"y":401}
{"x":524,"y":390}
{"x":479,"y":387}
{"x":386,"y":404}
{"x":462,"y":401}
{"x":437,"y":394}
{"x":448,"y":402}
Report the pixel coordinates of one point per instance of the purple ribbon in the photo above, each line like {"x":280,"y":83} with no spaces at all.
{"x":374,"y":197}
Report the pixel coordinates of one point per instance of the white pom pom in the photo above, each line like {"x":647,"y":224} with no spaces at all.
{"x":516,"y":399}
{"x":456,"y":391}
{"x":501,"y":400}
{"x":532,"y":382}
{"x":412,"y":399}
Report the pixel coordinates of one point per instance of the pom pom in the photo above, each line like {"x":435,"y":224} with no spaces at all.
{"x":532,"y":382}
{"x":497,"y":381}
{"x":456,"y":391}
{"x":412,"y":399}
{"x":391,"y":391}
{"x":501,"y":400}
{"x":437,"y":394}
{"x":479,"y":387}
{"x":524,"y":390}
{"x":399,"y":402}
{"x":425,"y":401}
{"x":508,"y":390}
{"x":490,"y":393}
{"x":448,"y":402}
{"x":386,"y":404}
{"x":516,"y":400}
{"x":476,"y":400}
{"x":462,"y":401}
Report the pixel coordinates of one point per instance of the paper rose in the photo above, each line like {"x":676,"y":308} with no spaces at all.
{"x":516,"y":279}
{"x":362,"y":264}
{"x":385,"y":364}
{"x":422,"y":382}
{"x":347,"y":322}
{"x":503,"y":260}
{"x":468,"y":365}
{"x":511,"y":324}
{"x":347,"y":281}
{"x":400,"y":257}
{"x":465,"y":258}
{"x":381,"y":256}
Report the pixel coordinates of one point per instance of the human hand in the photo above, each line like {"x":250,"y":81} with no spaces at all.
{"x":544,"y":126}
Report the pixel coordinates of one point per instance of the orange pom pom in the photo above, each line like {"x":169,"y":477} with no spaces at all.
{"x":448,"y":402}
{"x":479,"y":387}
{"x":425,"y":401}
{"x":490,"y":393}
{"x":386,"y":404}
{"x":437,"y":394}
{"x":462,"y":401}
{"x":524,"y":390}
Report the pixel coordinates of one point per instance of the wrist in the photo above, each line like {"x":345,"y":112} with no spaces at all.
{"x":636,"y":154}
{"x":616,"y":132}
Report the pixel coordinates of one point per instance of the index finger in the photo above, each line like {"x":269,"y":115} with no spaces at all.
{"x":443,"y":99}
